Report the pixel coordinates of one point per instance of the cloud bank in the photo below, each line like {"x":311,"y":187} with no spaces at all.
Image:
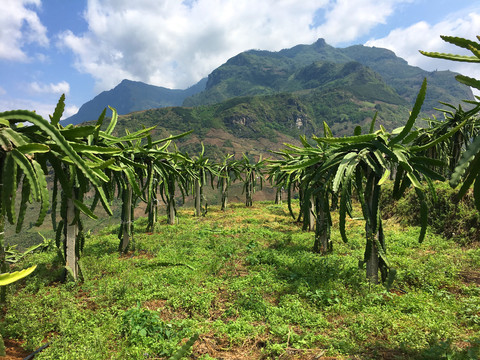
{"x":174,"y":44}
{"x":20,"y":26}
{"x":62,"y":87}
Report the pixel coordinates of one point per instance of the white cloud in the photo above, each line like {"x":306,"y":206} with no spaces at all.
{"x":175,"y":43}
{"x":69,"y":111}
{"x":424,"y":36}
{"x":20,"y":26}
{"x":62,"y":87}
{"x":42,"y":108}
{"x":347,"y":20}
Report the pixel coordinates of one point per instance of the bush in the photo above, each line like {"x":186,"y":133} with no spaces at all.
{"x":456,"y":220}
{"x":144,"y":329}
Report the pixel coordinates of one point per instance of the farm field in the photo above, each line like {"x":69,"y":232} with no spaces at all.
{"x":247,"y":282}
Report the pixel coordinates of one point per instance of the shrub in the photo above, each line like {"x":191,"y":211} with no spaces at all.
{"x":456,"y":220}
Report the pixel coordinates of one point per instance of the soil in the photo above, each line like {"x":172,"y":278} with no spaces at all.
{"x":14,"y":350}
{"x":470,"y":277}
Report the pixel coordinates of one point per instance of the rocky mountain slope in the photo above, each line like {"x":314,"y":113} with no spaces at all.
{"x":259,"y":99}
{"x":130,"y":96}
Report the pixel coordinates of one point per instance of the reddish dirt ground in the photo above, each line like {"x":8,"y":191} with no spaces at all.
{"x":14,"y":350}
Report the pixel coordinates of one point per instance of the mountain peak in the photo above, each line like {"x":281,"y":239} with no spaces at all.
{"x":130,"y":96}
{"x":320,"y":43}
{"x":127,"y":82}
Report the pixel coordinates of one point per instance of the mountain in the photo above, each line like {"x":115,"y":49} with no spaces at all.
{"x":396,"y":72}
{"x":258,"y":124}
{"x":259,"y":100}
{"x":257,"y":72}
{"x":130,"y":96}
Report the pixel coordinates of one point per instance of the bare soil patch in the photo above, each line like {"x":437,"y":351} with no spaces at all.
{"x":470,"y":277}
{"x":14,"y":350}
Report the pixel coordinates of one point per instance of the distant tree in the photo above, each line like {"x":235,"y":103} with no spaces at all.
{"x":202,"y":171}
{"x":161,"y":176}
{"x":301,"y":166}
{"x":252,"y":174}
{"x":227,"y":172}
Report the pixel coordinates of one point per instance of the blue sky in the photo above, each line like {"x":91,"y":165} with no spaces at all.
{"x":80,"y":48}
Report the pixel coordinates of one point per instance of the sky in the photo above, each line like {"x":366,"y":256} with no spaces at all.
{"x":81,"y":48}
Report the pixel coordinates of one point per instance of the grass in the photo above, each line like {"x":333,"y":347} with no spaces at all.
{"x":247,"y":282}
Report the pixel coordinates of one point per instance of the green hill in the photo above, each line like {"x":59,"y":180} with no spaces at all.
{"x":258,"y":100}
{"x":322,"y":66}
{"x":129,"y":96}
{"x":262,"y":123}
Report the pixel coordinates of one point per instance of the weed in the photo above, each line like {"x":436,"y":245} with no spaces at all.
{"x":249,"y":277}
{"x":143,"y":328}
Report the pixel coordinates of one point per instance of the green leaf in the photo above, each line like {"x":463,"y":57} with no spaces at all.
{"x":60,"y":174}
{"x":410,"y":137}
{"x":104,"y":201}
{"x":184,"y":349}
{"x":461,"y":42}
{"x":77,"y":132}
{"x":107,"y":164}
{"x":9,"y":190}
{"x":340,"y":174}
{"x":468,"y":81}
{"x":33,"y":148}
{"x":23,"y":205}
{"x":132,"y":180}
{"x":475,"y":51}
{"x":302,"y":164}
{"x":171,"y":137}
{"x":347,"y":139}
{"x":461,"y":58}
{"x":113,"y":121}
{"x":372,"y":124}
{"x":384,"y":177}
{"x":14,"y":137}
{"x":130,"y":137}
{"x":83,"y":208}
{"x":92,"y":149}
{"x":402,"y":159}
{"x":413,"y":115}
{"x":473,"y":171}
{"x":98,"y":171}
{"x":44,"y":195}
{"x":476,"y":193}
{"x":367,"y":158}
{"x":57,"y":114}
{"x":381,"y":252}
{"x":468,"y":155}
{"x":416,"y":183}
{"x":23,"y":115}
{"x":384,"y":149}
{"x":29,"y":172}
{"x":424,"y":160}
{"x":98,"y":124}
{"x":8,"y":278}
{"x":429,"y":173}
{"x":344,"y":198}
{"x":327,"y":132}
{"x":440,"y":138}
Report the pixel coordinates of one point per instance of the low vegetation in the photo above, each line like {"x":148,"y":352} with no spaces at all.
{"x":247,"y":282}
{"x":456,"y":220}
